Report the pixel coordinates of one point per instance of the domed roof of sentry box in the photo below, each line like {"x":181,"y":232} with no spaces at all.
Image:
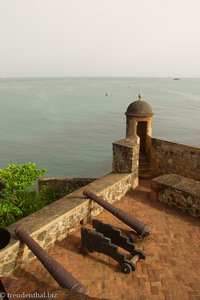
{"x":139,"y":108}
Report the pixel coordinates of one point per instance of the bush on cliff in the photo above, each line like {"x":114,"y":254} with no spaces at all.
{"x":19,"y":177}
{"x":16,"y":201}
{"x":51,"y":193}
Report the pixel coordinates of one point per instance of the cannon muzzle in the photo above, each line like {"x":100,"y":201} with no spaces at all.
{"x":131,"y":221}
{"x":64,"y":278}
{"x":4,"y":241}
{"x":4,"y":238}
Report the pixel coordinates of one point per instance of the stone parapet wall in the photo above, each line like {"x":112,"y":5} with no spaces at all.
{"x":56,"y":221}
{"x":63,"y":182}
{"x":168,"y":157}
{"x":177,"y":191}
{"x":126,"y":157}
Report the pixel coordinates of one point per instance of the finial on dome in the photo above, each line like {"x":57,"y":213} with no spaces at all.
{"x":139,"y":108}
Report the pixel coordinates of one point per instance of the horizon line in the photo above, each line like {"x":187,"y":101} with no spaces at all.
{"x":96,"y":76}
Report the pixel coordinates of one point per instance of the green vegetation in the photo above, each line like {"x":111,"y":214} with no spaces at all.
{"x":19,"y":177}
{"x":16,"y":201}
{"x":51,"y":193}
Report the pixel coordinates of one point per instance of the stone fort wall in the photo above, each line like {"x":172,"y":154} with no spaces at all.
{"x":168,"y":157}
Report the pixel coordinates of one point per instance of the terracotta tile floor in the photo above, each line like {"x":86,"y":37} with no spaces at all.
{"x":171,"y":269}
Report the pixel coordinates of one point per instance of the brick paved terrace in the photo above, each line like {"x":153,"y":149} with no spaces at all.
{"x":171,"y":269}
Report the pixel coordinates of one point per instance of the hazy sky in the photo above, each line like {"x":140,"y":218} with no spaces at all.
{"x":100,"y":38}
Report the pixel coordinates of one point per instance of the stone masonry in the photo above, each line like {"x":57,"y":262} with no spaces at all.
{"x":178,"y":191}
{"x":168,"y":157}
{"x":126,"y":157}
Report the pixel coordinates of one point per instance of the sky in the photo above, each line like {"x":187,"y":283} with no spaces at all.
{"x":66,"y":38}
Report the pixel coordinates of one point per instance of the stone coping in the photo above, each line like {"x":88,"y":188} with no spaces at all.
{"x":55,"y":221}
{"x":64,"y":181}
{"x":178,"y":182}
{"x":187,"y":147}
{"x":129,"y":142}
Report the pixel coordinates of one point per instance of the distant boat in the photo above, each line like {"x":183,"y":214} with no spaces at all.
{"x":177,"y":78}
{"x":106,"y":94}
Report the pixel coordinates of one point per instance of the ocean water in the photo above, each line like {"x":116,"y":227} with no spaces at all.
{"x":67,"y":125}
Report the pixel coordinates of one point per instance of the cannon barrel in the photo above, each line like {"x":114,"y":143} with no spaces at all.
{"x":131,"y":221}
{"x":4,"y":238}
{"x":64,"y":278}
{"x":4,"y":241}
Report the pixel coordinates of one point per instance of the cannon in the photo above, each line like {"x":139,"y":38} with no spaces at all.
{"x":4,"y":241}
{"x":106,"y":239}
{"x":131,"y":221}
{"x":64,"y":278}
{"x":4,"y":238}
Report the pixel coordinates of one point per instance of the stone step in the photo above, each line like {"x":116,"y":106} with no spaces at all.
{"x":145,"y":172}
{"x":144,"y":168}
{"x":145,"y":175}
{"x":143,"y":159}
{"x":144,"y":164}
{"x":142,"y":190}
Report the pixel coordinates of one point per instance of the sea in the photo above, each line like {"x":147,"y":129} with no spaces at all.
{"x":68,"y":125}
